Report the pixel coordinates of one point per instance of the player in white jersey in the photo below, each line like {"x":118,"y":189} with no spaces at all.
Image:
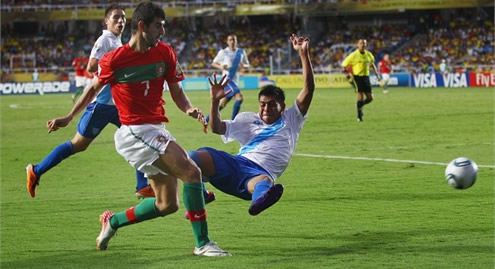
{"x":97,"y":115}
{"x":267,"y":139}
{"x":229,"y":60}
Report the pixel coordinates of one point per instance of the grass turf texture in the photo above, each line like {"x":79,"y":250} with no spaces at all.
{"x":335,"y":213}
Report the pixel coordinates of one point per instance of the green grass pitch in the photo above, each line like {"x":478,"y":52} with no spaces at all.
{"x":336,"y":212}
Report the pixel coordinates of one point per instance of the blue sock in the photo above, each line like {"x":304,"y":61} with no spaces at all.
{"x":141,"y":180}
{"x":195,"y":157}
{"x":207,"y":119}
{"x":260,"y":188}
{"x":58,"y":154}
{"x":237,"y":108}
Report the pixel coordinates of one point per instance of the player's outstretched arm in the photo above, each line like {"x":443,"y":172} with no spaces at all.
{"x":217,"y":92}
{"x":83,"y":101}
{"x":303,"y":100}
{"x":183,"y":103}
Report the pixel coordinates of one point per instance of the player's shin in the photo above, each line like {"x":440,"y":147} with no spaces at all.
{"x":195,"y":205}
{"x":60,"y":153}
{"x":145,"y":210}
{"x":236,"y":108}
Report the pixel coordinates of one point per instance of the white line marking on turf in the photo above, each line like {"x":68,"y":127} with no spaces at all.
{"x":378,"y":159}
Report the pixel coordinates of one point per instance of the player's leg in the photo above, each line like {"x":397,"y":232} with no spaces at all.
{"x":208,"y":195}
{"x":143,"y":189}
{"x":165,"y":203}
{"x":153,"y":150}
{"x":80,"y":82}
{"x":236,"y":92}
{"x":359,"y":105}
{"x":264,"y":193}
{"x":240,"y":177}
{"x":93,"y":120}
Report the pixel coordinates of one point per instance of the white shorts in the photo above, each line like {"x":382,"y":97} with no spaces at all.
{"x":141,"y":145}
{"x":80,"y":81}
{"x":385,"y":76}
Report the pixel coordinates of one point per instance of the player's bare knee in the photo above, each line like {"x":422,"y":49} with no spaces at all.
{"x":192,"y":173}
{"x":78,"y":146}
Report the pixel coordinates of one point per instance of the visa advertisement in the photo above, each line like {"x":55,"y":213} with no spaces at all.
{"x":454,"y":80}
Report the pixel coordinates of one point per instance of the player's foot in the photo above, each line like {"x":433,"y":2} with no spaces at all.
{"x":210,"y":197}
{"x":32,"y":180}
{"x":360,"y":115}
{"x":145,"y":192}
{"x":210,"y":250}
{"x":266,"y":200}
{"x":106,"y":231}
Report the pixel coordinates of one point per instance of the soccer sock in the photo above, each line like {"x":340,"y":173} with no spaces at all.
{"x":359,"y":104}
{"x":260,"y":188}
{"x":195,"y":206}
{"x":195,"y":157}
{"x":143,"y":211}
{"x":367,"y":101}
{"x":57,"y":155}
{"x":207,"y":119}
{"x":141,"y":180}
{"x":236,"y":108}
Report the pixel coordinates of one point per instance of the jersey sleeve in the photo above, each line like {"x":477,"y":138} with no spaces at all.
{"x":174,"y":71}
{"x":294,"y":117}
{"x":245,"y":59}
{"x":236,"y":128}
{"x":219,"y":58}
{"x":99,"y":49}
{"x":347,"y":60}
{"x":105,"y":72}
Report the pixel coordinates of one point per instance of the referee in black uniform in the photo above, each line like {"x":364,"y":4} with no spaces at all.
{"x":357,"y":66}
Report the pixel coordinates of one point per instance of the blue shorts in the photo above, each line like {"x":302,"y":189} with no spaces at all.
{"x":234,"y":87}
{"x":95,"y":118}
{"x":233,"y":173}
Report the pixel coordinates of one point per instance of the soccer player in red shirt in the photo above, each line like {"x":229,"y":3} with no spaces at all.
{"x":80,"y":64}
{"x":136,"y":73}
{"x":385,"y":66}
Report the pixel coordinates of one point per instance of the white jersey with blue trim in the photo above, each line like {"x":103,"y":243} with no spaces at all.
{"x":104,"y":44}
{"x":226,"y":56}
{"x":269,"y":145}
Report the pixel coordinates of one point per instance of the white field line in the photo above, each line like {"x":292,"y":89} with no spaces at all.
{"x":379,"y":159}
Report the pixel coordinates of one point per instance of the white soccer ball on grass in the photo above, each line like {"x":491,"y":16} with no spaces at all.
{"x":461,"y":173}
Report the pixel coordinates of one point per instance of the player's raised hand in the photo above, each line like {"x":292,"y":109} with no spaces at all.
{"x":57,"y":123}
{"x":217,"y":88}
{"x":299,"y":43}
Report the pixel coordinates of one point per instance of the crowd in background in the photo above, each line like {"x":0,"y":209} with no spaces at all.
{"x":415,"y":45}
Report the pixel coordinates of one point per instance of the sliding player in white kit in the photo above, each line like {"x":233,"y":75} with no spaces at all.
{"x":268,"y":139}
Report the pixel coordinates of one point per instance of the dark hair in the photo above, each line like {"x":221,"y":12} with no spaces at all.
{"x":274,"y":91}
{"x":146,"y":12}
{"x":111,"y":8}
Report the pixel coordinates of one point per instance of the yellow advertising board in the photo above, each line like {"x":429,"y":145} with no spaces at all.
{"x":384,"y":5}
{"x":321,"y":81}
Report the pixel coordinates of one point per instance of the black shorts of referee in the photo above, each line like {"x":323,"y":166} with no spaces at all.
{"x":363,"y":83}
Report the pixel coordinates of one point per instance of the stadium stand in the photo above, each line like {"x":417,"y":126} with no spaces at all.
{"x":417,"y":40}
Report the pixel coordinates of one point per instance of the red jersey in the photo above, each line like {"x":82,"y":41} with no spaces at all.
{"x":385,"y":66}
{"x":137,"y":81}
{"x":80,"y":65}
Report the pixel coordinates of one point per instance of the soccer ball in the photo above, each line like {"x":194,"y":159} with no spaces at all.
{"x":461,"y":173}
